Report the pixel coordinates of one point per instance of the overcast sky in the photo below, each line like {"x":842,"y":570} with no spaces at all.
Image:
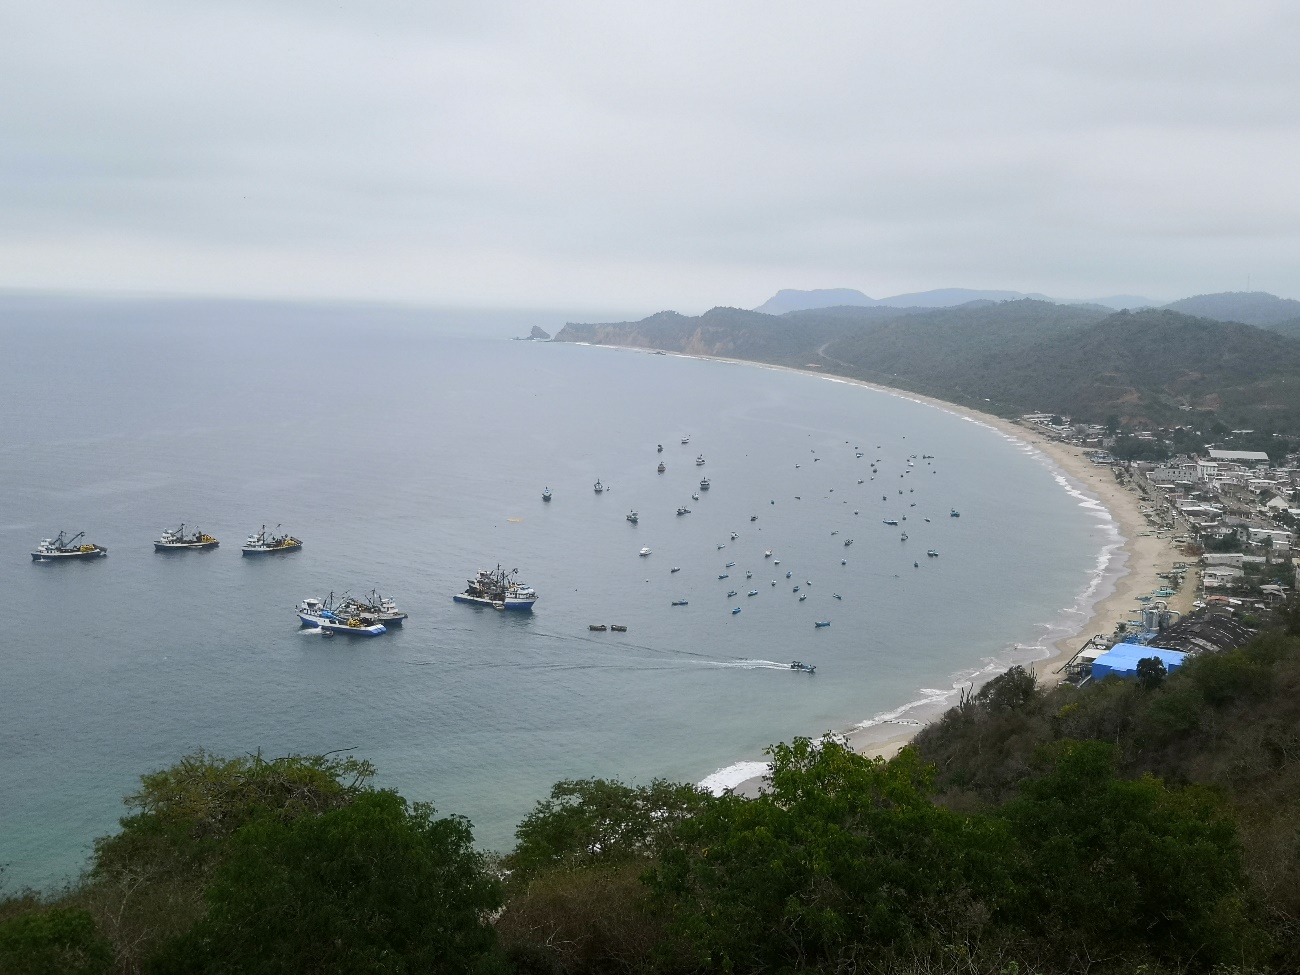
{"x":648,"y":155}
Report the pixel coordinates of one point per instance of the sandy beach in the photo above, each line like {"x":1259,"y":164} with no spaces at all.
{"x":1134,"y":570}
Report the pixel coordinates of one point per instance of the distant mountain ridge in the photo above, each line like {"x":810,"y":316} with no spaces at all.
{"x":792,"y":299}
{"x":1247,"y":307}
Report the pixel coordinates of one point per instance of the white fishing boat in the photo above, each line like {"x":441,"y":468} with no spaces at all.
{"x":644,"y":552}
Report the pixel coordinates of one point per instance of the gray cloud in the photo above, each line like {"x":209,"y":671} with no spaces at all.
{"x":673,"y":154}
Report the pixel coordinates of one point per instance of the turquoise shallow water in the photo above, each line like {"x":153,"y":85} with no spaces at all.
{"x":408,"y":454}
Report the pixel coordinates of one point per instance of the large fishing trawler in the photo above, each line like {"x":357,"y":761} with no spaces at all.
{"x":498,"y":589}
{"x":59,"y":547}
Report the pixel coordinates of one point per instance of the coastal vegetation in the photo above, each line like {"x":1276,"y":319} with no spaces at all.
{"x":1145,"y":369}
{"x":1119,"y":827}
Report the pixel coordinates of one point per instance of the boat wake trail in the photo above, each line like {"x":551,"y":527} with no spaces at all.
{"x":746,"y":664}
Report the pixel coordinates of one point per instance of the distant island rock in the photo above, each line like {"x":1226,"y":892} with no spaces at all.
{"x":538,"y":334}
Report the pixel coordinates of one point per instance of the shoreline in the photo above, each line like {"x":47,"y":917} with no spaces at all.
{"x":1127,"y":569}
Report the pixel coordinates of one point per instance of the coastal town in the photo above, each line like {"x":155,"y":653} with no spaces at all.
{"x":1220,"y":524}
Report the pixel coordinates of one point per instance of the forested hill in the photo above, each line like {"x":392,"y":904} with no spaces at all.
{"x":1153,"y":367}
{"x":1248,"y":307}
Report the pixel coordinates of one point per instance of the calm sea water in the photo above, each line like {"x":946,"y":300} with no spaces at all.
{"x":409,"y":451}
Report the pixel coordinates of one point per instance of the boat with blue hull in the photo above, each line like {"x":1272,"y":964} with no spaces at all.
{"x":498,"y":589}
{"x":318,"y":613}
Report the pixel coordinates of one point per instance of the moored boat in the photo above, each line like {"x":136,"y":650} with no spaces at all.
{"x":699,"y":461}
{"x":498,"y":589}
{"x":598,"y":487}
{"x":735,"y":610}
{"x":176,"y":539}
{"x":680,"y":602}
{"x":546,"y":494}
{"x":632,"y":516}
{"x":821,"y":623}
{"x":644,"y":552}
{"x":61,"y":548}
{"x":704,"y":484}
{"x":320,"y":614}
{"x":262,"y":542}
{"x":662,"y":467}
{"x":372,"y":608}
{"x":683,"y":511}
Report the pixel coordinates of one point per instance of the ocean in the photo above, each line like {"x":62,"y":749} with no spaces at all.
{"x":409,"y":449}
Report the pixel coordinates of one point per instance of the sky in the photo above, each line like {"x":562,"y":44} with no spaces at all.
{"x":648,"y":155}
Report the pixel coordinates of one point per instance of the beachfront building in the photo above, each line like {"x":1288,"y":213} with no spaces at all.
{"x":1122,"y":659}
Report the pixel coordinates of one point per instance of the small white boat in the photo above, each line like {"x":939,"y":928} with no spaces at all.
{"x":675,"y":568}
{"x":802,"y":596}
{"x":767,"y":554}
{"x":686,"y":439}
{"x":644,"y":552}
{"x":753,"y":592}
{"x":598,"y":487}
{"x":730,"y":565}
{"x":699,"y":461}
{"x":683,"y":511}
{"x":695,"y":497}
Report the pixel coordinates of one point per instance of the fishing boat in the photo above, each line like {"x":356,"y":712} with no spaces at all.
{"x":680,"y":602}
{"x":704,"y":484}
{"x":730,"y":593}
{"x":903,"y":537}
{"x":954,"y":513}
{"x":931,"y":553}
{"x":632,"y":516}
{"x":617,"y":628}
{"x":753,"y":517}
{"x":735,"y":610}
{"x":699,"y":461}
{"x":802,"y":596}
{"x":836,"y":595}
{"x":320,"y":614}
{"x":644,"y":552}
{"x":686,"y":439}
{"x":675,"y":568}
{"x":546,"y":494}
{"x":774,"y":582}
{"x":597,"y":627}
{"x":683,"y":511}
{"x":734,"y":536}
{"x":262,"y":542}
{"x":662,"y":467}
{"x":848,"y":542}
{"x":598,"y":487}
{"x":62,"y":548}
{"x":844,"y":561}
{"x":176,"y":539}
{"x":753,"y":592}
{"x":821,"y":623}
{"x":695,"y":497}
{"x":498,"y":589}
{"x":795,"y":589}
{"x":730,"y":565}
{"x":891,"y":521}
{"x":661,"y":448}
{"x":371,"y":608}
{"x":725,"y":575}
{"x":802,"y":667}
{"x":748,"y":574}
{"x":767,"y":554}
{"x":788,"y":573}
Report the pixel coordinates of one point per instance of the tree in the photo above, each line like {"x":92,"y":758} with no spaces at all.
{"x":1151,"y":673}
{"x":60,"y":941}
{"x":376,"y":886}
{"x":843,"y":859}
{"x":593,"y":822}
{"x":1117,"y":865}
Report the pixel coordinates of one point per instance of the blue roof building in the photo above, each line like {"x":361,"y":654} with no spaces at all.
{"x":1122,"y":660}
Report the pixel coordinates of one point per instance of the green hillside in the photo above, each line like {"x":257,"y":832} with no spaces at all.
{"x":1148,"y":368}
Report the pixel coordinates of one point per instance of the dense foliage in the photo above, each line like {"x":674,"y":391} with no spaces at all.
{"x":1145,"y":825}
